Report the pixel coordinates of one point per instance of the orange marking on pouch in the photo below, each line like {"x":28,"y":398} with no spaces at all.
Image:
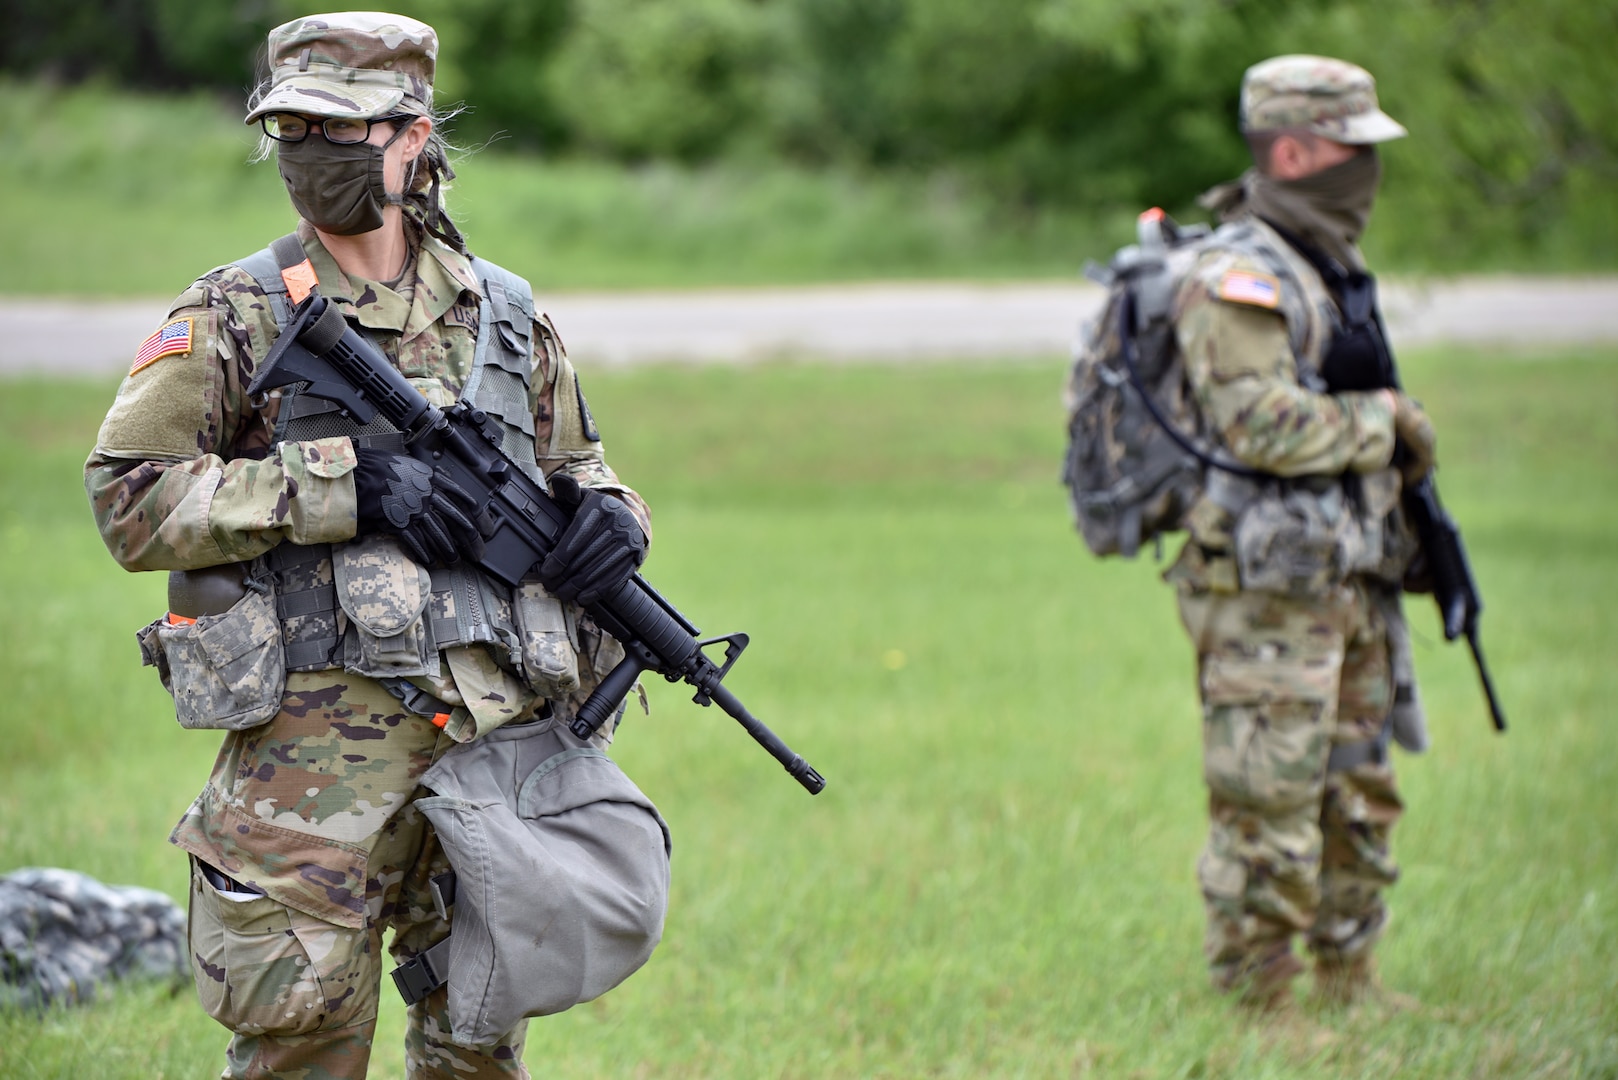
{"x":180,"y":620}
{"x":440,"y":719}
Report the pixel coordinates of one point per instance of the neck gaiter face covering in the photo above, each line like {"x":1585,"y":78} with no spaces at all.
{"x":338,"y":188}
{"x":1328,"y":209}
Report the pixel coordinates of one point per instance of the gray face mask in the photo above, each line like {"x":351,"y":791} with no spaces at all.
{"x":337,"y":187}
{"x":1329,"y":209}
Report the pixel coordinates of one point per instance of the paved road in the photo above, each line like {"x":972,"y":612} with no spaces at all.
{"x":861,"y":322}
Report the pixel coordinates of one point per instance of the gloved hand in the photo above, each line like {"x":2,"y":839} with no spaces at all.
{"x":1417,"y":444}
{"x":430,"y":514}
{"x":600,"y":548}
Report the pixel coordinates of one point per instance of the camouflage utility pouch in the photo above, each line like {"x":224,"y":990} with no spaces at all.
{"x":225,"y":671}
{"x":550,"y":658}
{"x":1295,"y":540}
{"x":384,"y":595}
{"x":1389,"y":543}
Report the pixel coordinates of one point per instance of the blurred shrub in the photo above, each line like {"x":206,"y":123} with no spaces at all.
{"x":651,"y":79}
{"x":1103,"y":105}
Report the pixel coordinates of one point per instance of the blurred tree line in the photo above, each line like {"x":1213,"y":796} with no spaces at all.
{"x":1101,"y":104}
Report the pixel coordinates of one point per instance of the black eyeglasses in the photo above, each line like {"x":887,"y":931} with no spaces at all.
{"x":292,"y":128}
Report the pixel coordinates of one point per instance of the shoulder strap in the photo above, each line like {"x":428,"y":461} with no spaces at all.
{"x":503,"y":358}
{"x":269,"y":267}
{"x":507,"y":313}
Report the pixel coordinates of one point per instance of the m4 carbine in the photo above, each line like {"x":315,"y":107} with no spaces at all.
{"x":1456,"y":591}
{"x":520,"y":521}
{"x":1362,"y":359}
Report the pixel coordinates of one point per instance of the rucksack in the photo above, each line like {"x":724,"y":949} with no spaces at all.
{"x":1134,"y":466}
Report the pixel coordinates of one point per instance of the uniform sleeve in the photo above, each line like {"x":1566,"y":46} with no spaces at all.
{"x":566,"y":438}
{"x":1240,"y":366}
{"x":184,"y":473}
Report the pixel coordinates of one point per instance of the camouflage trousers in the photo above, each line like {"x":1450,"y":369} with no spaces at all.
{"x":314,"y":808}
{"x":1294,"y":848}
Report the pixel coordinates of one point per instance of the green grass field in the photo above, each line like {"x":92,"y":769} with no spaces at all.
{"x":998,"y":880}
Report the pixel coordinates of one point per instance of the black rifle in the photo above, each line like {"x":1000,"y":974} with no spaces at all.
{"x":1360,"y":358}
{"x":520,"y":521}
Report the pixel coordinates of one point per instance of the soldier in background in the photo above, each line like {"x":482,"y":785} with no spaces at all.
{"x":347,"y":638}
{"x":1290,"y":588}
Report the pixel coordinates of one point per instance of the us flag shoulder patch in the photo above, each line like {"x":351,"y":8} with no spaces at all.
{"x":1248,"y":287}
{"x":172,"y":338}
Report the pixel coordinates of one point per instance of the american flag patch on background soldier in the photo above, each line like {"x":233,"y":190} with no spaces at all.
{"x":1247,"y":287}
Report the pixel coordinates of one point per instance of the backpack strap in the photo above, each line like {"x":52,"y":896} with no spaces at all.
{"x":503,"y":359}
{"x":282,"y":270}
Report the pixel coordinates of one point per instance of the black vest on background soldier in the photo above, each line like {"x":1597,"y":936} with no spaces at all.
{"x":326,"y":611}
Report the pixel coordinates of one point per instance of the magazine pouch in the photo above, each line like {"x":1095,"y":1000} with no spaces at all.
{"x":225,"y":671}
{"x":1297,"y":538}
{"x":384,"y":593}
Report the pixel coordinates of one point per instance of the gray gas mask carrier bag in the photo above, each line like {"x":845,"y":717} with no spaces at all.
{"x":560,"y":883}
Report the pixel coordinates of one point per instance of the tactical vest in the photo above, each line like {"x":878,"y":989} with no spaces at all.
{"x":466,"y":606}
{"x":1303,"y":534}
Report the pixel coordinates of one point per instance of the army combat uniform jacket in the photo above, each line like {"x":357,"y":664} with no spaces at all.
{"x":188,"y":472}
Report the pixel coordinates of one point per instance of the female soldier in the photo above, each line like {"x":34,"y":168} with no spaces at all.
{"x":354,"y":641}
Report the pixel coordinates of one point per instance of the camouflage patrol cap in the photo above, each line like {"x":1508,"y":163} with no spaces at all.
{"x":350,"y":63}
{"x":1331,"y":98}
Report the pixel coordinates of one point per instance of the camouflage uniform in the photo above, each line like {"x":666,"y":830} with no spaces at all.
{"x":311,"y":812}
{"x":1290,"y":622}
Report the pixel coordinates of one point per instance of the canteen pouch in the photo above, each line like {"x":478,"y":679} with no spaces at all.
{"x":225,"y":671}
{"x":550,"y":658}
{"x":1295,"y":541}
{"x":562,"y":875}
{"x":1390,"y":544}
{"x":383,"y":593}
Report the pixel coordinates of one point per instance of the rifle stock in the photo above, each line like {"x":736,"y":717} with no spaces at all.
{"x":520,"y":521}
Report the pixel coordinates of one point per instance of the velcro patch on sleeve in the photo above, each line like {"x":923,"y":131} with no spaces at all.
{"x":171,"y":338}
{"x":1249,"y":287}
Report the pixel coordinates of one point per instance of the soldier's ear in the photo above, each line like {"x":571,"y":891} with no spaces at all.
{"x":415,"y":136}
{"x":1289,"y":157}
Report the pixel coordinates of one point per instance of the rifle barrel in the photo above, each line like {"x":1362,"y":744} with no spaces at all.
{"x":1495,"y":712}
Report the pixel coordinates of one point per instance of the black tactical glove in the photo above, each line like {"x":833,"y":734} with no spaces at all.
{"x":430,"y":514}
{"x":600,"y":548}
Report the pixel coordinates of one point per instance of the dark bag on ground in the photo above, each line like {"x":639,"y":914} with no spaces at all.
{"x":64,"y":937}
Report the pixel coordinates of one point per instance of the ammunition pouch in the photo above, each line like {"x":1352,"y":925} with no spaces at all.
{"x":1298,"y":538}
{"x":225,"y":670}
